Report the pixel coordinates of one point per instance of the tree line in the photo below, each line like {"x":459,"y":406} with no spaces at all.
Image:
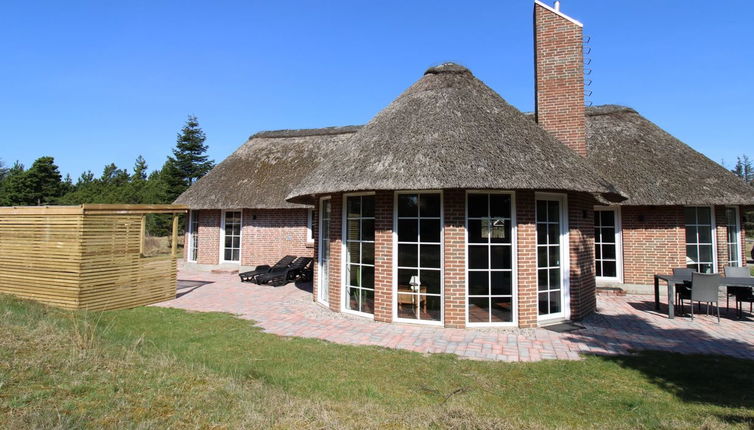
{"x":43,"y":184}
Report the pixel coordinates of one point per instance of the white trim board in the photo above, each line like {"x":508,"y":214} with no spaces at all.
{"x":557,"y":12}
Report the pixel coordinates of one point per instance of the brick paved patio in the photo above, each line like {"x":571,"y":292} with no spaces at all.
{"x":623,"y":323}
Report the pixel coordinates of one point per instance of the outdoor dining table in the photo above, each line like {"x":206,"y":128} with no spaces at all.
{"x":672,"y":280}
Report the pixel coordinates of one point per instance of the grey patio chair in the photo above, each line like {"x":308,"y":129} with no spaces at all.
{"x":734,"y":291}
{"x":682,"y":290}
{"x":705,"y":287}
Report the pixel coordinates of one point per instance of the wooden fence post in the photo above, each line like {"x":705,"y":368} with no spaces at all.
{"x":174,"y":245}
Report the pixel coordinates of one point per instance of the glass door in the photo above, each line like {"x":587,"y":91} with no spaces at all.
{"x":700,"y":248}
{"x":231,"y":240}
{"x":606,"y":256}
{"x":324,"y":251}
{"x":419,"y":283}
{"x":360,"y":254}
{"x":734,"y":237}
{"x":194,"y":236}
{"x":550,"y":248}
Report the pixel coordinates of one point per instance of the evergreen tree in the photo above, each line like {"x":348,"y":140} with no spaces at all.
{"x":744,"y":169}
{"x":3,"y":170}
{"x":44,"y":182}
{"x":15,"y":188}
{"x":140,"y":169}
{"x":189,"y":161}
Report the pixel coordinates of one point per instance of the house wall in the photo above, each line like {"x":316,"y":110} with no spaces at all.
{"x":526,"y":249}
{"x":581,"y":247}
{"x":653,"y":242}
{"x":267,"y":235}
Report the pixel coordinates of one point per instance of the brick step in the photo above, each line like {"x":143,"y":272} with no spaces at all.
{"x":610,"y":291}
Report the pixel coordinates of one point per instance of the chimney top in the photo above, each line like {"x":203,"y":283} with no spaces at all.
{"x":557,"y":6}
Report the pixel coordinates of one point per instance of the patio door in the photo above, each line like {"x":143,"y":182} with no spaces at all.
{"x":552,"y":249}
{"x":323,"y":288}
{"x":608,"y":264}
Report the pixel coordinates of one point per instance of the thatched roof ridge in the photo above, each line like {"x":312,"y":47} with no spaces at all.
{"x":450,"y":130}
{"x":654,"y":168}
{"x":262,"y":171}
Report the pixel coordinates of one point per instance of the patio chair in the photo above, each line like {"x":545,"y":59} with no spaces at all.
{"x":705,"y":287}
{"x":259,"y":270}
{"x":744,"y":295}
{"x":282,"y":276}
{"x":682,"y":290}
{"x":734,"y":291}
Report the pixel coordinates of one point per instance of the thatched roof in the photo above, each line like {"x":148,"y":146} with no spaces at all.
{"x":261,"y":173}
{"x":450,"y":130}
{"x":654,"y":168}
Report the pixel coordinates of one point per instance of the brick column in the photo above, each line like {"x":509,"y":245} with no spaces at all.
{"x":383,"y":256}
{"x":526,"y":247}
{"x":581,"y":253}
{"x":721,"y":236}
{"x":336,"y":248}
{"x":209,"y":236}
{"x":454,"y":259}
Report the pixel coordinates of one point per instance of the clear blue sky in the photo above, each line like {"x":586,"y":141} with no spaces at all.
{"x":99,"y":82}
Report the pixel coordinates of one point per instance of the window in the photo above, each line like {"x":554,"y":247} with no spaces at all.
{"x":549,"y":257}
{"x":700,"y":252}
{"x":606,"y":243}
{"x":734,"y":236}
{"x":360,"y":254}
{"x":193,"y":236}
{"x":419,"y":284}
{"x":324,"y":250}
{"x":231,"y":240}
{"x":489,"y":248}
{"x":309,"y":217}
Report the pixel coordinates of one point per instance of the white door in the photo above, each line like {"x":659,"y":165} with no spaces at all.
{"x":552,"y":249}
{"x":324,"y":250}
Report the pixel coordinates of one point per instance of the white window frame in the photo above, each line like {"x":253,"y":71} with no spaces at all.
{"x":565,"y":260}
{"x":320,"y":299}
{"x":193,"y":216}
{"x":344,"y":250}
{"x":442,"y":259}
{"x":741,"y":246}
{"x":514,"y":263}
{"x":618,"y":244}
{"x":309,"y":225}
{"x":713,"y":228}
{"x":222,"y":237}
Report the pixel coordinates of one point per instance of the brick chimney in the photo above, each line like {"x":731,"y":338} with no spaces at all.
{"x":559,"y":75}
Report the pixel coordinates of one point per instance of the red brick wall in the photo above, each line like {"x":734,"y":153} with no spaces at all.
{"x":383,"y":256}
{"x":336,"y":247}
{"x":526,"y":243}
{"x":653,"y":242}
{"x":559,"y":78}
{"x":721,"y":235}
{"x":209,"y":237}
{"x":268,"y":235}
{"x":454,"y":259}
{"x":581,"y":253}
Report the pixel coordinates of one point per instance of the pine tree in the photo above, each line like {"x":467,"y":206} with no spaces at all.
{"x":189,"y":161}
{"x":44,"y":182}
{"x":140,"y":169}
{"x":14,"y":186}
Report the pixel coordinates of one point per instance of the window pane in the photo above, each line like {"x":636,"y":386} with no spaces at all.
{"x":608,"y":235}
{"x":502,"y":309}
{"x":553,"y":253}
{"x":353,"y":230}
{"x":478,"y":258}
{"x":598,"y":235}
{"x":553,"y":233}
{"x":354,"y":207}
{"x":554,"y":279}
{"x":367,"y":206}
{"x":501,"y":257}
{"x":542,"y":280}
{"x":703,"y":216}
{"x":691,"y":253}
{"x":430,"y":256}
{"x":479,"y":283}
{"x":500,"y":205}
{"x":541,"y":233}
{"x":430,"y":230}
{"x":354,"y":252}
{"x":477,"y":205}
{"x":541,"y":211}
{"x":608,"y":252}
{"x":353,"y":278}
{"x":432,"y":308}
{"x":407,"y":205}
{"x":407,"y":305}
{"x":609,"y":269}
{"x":555,"y":302}
{"x":404,"y":277}
{"x":502,"y":284}
{"x":367,"y":229}
{"x":408,"y":255}
{"x":598,"y":268}
{"x":408,"y":230}
{"x":542,"y":256}
{"x":353,"y":299}
{"x":367,"y":301}
{"x":705,"y":235}
{"x":479,"y":309}
{"x":553,"y":211}
{"x":597,"y":252}
{"x":475,"y":231}
{"x":367,"y":253}
{"x":367,"y":277}
{"x":608,"y":218}
{"x":543,"y":303}
{"x":705,"y":254}
{"x":429,"y":205}
{"x":500,"y":230}
{"x":430,"y":279}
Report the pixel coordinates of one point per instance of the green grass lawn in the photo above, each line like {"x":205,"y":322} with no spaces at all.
{"x":158,"y":368}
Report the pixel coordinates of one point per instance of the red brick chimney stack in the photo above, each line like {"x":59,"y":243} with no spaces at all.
{"x":559,"y":75}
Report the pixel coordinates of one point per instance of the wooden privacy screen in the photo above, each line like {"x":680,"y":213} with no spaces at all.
{"x":84,"y":257}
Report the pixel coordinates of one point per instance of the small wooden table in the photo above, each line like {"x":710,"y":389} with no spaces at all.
{"x":673,"y":280}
